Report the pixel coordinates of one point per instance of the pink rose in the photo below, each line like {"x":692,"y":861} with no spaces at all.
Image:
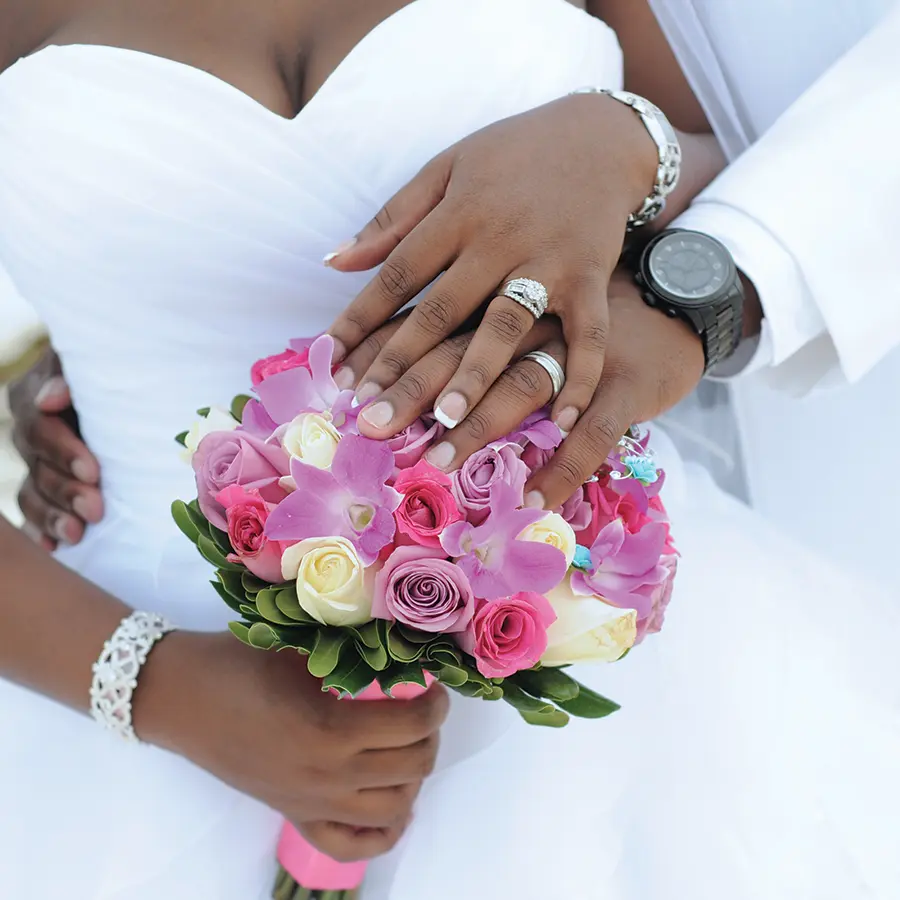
{"x":660,"y":596}
{"x":608,"y":504}
{"x":423,"y":589}
{"x":509,"y":635}
{"x":280,"y":362}
{"x":226,"y":458}
{"x":472,"y":483}
{"x":410,"y":445}
{"x":246,"y":514}
{"x":427,"y":507}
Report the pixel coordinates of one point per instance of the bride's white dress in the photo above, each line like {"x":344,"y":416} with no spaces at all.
{"x":170,"y":231}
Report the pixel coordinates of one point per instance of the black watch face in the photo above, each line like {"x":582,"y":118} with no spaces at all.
{"x":690,"y":268}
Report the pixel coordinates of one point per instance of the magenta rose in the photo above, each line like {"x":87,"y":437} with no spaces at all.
{"x":280,"y":362}
{"x":246,"y":513}
{"x":427,"y":507}
{"x":410,"y":445}
{"x":423,"y":589}
{"x":226,"y":458}
{"x":660,"y":595}
{"x":510,"y":634}
{"x":472,"y":482}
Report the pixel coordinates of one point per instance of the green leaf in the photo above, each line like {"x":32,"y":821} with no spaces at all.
{"x":237,"y":406}
{"x":401,"y":675}
{"x":589,"y":705}
{"x":452,"y":676}
{"x":262,"y":636}
{"x":220,"y":539}
{"x":467,"y":690}
{"x":211,"y":553}
{"x":233,"y":584}
{"x":376,"y":657}
{"x":289,"y":606}
{"x":554,"y":719}
{"x":184,"y":521}
{"x":351,"y":676}
{"x":369,"y":634}
{"x":203,"y":413}
{"x":324,"y":658}
{"x":413,"y":635}
{"x":265,"y":604}
{"x":550,"y":683}
{"x":402,"y":650}
{"x":299,"y":638}
{"x":251,"y":584}
{"x":241,"y":631}
{"x":182,"y":438}
{"x":532,"y":710}
{"x":226,"y":597}
{"x":248,"y":611}
{"x":444,"y":653}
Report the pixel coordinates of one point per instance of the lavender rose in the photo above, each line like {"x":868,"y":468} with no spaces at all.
{"x":421,"y":588}
{"x":480,"y":472}
{"x":226,"y":458}
{"x":410,"y":445}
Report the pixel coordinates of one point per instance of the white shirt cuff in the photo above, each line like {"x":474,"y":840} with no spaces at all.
{"x":792,"y":319}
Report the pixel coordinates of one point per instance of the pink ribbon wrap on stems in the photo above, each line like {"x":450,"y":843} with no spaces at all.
{"x":309,"y":867}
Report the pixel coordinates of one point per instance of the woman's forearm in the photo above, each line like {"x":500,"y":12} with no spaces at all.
{"x":53,"y":623}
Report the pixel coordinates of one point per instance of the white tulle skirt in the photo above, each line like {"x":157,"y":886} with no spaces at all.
{"x":755,"y":757}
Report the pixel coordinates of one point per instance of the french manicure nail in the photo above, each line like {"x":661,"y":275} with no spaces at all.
{"x":82,"y":470}
{"x":58,"y":529}
{"x":368,"y":391}
{"x":534,"y":500}
{"x":339,"y":351}
{"x":442,"y":456}
{"x":567,"y":418}
{"x":329,"y":258}
{"x":451,"y":410}
{"x":379,"y":414}
{"x":53,"y":387}
{"x":344,"y":378}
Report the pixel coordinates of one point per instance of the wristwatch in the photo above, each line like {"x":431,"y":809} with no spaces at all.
{"x":692,"y":276}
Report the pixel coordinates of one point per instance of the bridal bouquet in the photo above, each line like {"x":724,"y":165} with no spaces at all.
{"x":386,"y":573}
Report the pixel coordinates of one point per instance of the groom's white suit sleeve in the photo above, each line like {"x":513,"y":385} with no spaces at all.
{"x":811,"y":213}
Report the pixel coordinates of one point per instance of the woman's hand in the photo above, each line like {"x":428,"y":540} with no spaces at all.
{"x":61,"y":494}
{"x":345,"y":773}
{"x":544,"y":195}
{"x":652,"y":363}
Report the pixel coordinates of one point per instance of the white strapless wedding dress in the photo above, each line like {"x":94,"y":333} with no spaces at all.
{"x":170,"y":231}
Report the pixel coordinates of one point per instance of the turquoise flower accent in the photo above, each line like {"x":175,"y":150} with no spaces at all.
{"x":582,"y":558}
{"x":643,"y":468}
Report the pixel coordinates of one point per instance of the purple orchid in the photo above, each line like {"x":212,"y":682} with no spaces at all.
{"x":538,"y":429}
{"x":299,"y":390}
{"x":625,"y":567}
{"x":496,"y":563}
{"x":256,"y":421}
{"x":352,"y":500}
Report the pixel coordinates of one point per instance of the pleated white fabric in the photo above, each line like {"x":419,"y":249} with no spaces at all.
{"x":170,"y":231}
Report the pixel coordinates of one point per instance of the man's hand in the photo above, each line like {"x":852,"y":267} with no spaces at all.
{"x":61,"y":494}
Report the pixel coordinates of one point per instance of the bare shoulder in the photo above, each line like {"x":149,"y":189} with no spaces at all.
{"x":27,"y":24}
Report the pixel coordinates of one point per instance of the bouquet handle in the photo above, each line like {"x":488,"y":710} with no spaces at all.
{"x":309,"y":867}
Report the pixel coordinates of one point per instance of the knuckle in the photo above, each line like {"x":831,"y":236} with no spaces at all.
{"x":594,"y":336}
{"x":414,"y":387}
{"x":372,"y":345}
{"x":449,"y":353}
{"x":383,"y":218}
{"x":394,"y":362}
{"x":569,"y":471}
{"x":602,"y":428}
{"x":397,"y":278}
{"x":436,"y":315}
{"x":527,"y":380}
{"x":480,"y":373}
{"x":505,"y":325}
{"x":477,"y":427}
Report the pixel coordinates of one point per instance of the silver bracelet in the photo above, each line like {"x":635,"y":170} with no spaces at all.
{"x":663,"y":134}
{"x":116,"y":671}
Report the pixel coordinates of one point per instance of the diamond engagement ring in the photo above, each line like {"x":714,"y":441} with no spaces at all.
{"x":551,"y":367}
{"x":528,"y":293}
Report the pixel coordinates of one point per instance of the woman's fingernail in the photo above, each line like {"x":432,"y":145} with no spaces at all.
{"x":368,"y":391}
{"x":339,"y":351}
{"x":58,"y":530}
{"x":379,"y":414}
{"x":442,"y":456}
{"x":451,"y":410}
{"x":344,"y":378}
{"x":82,"y":470}
{"x":85,"y":511}
{"x":534,"y":500}
{"x":53,"y":387}
{"x":329,"y":258}
{"x":567,"y":418}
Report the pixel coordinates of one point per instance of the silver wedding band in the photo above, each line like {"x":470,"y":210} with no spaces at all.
{"x":528,"y":293}
{"x":551,"y":367}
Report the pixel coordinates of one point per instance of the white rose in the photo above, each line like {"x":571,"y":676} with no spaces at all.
{"x":587,"y":629}
{"x":218,"y":419}
{"x":312,"y":439}
{"x":554,"y":530}
{"x":331,"y":580}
